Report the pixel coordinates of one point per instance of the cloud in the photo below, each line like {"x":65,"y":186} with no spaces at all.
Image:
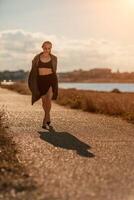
{"x":18,"y":47}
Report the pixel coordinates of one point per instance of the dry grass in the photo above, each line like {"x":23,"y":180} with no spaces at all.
{"x":14,"y":179}
{"x":112,"y":103}
{"x":1,"y":116}
{"x":20,"y":87}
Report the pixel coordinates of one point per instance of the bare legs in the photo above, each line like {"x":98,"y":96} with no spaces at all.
{"x":46,"y":104}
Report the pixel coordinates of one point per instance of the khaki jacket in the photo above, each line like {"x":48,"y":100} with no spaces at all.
{"x":32,"y":78}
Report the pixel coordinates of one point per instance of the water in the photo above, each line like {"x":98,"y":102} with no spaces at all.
{"x":123,"y":87}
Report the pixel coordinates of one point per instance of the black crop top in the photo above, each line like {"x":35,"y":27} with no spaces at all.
{"x":45,"y":65}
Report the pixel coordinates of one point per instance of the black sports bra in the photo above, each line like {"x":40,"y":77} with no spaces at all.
{"x":45,"y":65}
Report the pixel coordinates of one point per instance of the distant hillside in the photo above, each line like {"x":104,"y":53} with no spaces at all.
{"x":96,"y":75}
{"x":93,"y":75}
{"x":13,"y":75}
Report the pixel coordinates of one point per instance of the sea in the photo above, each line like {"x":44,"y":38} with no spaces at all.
{"x":123,"y":87}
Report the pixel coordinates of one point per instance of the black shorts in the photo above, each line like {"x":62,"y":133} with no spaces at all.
{"x":45,"y":81}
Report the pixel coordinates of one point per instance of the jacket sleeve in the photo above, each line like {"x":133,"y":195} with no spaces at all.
{"x":30,"y":78}
{"x":56,"y":63}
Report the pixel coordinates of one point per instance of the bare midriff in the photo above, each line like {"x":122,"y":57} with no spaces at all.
{"x":45,"y":71}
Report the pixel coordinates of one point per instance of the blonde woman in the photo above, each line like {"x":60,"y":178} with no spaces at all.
{"x":43,"y":80}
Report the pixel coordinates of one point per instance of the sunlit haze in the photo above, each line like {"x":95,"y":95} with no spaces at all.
{"x":85,"y":34}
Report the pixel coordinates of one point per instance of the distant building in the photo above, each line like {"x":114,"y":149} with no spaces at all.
{"x":5,"y":82}
{"x":100,"y":72}
{"x":118,"y":71}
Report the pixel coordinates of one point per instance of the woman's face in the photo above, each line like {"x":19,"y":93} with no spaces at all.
{"x":47,"y":48}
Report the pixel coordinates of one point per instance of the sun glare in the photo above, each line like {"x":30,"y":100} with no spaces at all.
{"x":130,"y":2}
{"x":127,"y":4}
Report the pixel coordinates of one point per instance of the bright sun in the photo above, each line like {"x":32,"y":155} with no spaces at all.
{"x":131,"y":2}
{"x":126,"y":3}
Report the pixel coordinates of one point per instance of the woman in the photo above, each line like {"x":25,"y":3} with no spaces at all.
{"x":43,"y":80}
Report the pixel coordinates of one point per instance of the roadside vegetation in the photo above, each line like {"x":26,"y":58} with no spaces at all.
{"x":116,"y":103}
{"x":15,"y":182}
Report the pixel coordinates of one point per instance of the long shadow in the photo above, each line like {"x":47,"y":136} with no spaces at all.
{"x":67,"y":141}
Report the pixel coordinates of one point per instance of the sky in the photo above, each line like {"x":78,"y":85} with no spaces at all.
{"x":85,"y":34}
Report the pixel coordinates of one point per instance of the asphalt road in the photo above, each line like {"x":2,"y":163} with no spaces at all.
{"x":84,"y":157}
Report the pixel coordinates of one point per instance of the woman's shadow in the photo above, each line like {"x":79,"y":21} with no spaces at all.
{"x":67,"y":141}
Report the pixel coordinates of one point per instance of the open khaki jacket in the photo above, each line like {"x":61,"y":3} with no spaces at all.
{"x":32,"y":78}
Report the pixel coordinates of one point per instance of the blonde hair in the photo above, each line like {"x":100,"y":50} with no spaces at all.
{"x":46,"y":42}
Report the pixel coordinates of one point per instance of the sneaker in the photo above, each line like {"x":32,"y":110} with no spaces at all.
{"x":44,"y":126}
{"x":48,"y":123}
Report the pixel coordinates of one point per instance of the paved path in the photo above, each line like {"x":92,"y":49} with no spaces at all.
{"x":87,"y":157}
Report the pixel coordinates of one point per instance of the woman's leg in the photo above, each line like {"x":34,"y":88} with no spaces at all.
{"x":46,"y":103}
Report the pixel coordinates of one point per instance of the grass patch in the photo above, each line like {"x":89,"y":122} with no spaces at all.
{"x":110,"y":103}
{"x":20,"y":87}
{"x":114,"y":103}
{"x":14,"y":179}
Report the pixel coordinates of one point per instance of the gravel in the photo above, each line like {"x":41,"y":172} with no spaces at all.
{"x":84,"y":156}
